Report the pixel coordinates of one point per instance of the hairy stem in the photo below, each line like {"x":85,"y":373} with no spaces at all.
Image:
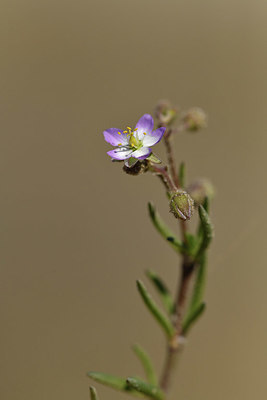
{"x":171,"y":158}
{"x":164,"y":177}
{"x":175,"y":347}
{"x":170,"y":362}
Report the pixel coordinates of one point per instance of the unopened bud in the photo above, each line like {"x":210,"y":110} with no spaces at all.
{"x":200,"y":189}
{"x":165,"y":112}
{"x":195,"y":119}
{"x":182,"y":205}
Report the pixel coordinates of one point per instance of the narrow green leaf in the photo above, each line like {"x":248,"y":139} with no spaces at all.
{"x":199,"y":285}
{"x":163,"y":291}
{"x":177,"y":244}
{"x":192,"y":244}
{"x":181,"y":174}
{"x":147,"y":364}
{"x":148,"y":390}
{"x":93,"y":393}
{"x":206,"y":232}
{"x":192,"y":317}
{"x":163,"y":229}
{"x":115,"y":382}
{"x":206,"y":204}
{"x":196,"y":306}
{"x":155,"y":311}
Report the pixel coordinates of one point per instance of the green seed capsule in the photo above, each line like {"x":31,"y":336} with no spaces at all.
{"x":182,"y":205}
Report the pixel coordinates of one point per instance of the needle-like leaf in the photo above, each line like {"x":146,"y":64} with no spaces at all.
{"x":155,"y":311}
{"x":163,"y":229}
{"x":148,"y":390}
{"x":162,"y":289}
{"x":115,"y":382}
{"x":206,"y":231}
{"x":196,"y":306}
{"x":93,"y":393}
{"x":147,"y":364}
{"x":199,"y":285}
{"x":192,"y":317}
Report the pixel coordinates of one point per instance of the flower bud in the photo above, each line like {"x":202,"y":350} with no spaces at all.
{"x":165,"y":112}
{"x":200,"y":189}
{"x":182,"y":205}
{"x":195,"y":119}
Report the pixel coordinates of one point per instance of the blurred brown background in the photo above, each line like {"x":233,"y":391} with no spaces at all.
{"x":74,"y":229}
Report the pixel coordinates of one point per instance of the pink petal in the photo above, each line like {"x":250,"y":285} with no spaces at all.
{"x":145,"y":124}
{"x":154,"y":137}
{"x":113,"y":137}
{"x":120,"y":153}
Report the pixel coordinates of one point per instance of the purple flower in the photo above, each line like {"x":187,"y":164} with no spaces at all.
{"x":134,"y":143}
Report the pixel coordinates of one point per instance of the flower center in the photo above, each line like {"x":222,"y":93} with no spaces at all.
{"x":134,"y":140}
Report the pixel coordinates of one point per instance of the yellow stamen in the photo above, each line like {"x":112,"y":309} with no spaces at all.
{"x":129,"y":128}
{"x":136,"y":129}
{"x":144,"y":133}
{"x":119,"y":144}
{"x":125,"y":131}
{"x":119,"y":133}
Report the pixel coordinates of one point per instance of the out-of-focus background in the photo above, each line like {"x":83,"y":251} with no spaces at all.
{"x":74,"y":228}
